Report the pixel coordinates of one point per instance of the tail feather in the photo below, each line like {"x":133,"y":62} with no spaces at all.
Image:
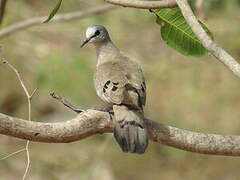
{"x":129,"y":130}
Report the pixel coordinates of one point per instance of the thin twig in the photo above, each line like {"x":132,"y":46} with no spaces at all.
{"x":66,"y":103}
{"x":18,"y":76}
{"x":33,"y":93}
{"x":207,"y":42}
{"x":12,"y":154}
{"x":29,"y":97}
{"x":28,"y":160}
{"x":58,"y":18}
{"x":144,"y":4}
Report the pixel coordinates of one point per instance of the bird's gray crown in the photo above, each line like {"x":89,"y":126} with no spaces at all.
{"x":97,"y":33}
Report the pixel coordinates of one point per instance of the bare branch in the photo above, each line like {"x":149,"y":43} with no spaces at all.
{"x":93,"y":122}
{"x":84,"y":125}
{"x":18,"y":76}
{"x":58,"y":18}
{"x":33,"y":93}
{"x":12,"y":154}
{"x":144,"y":4}
{"x":207,"y":42}
{"x":66,"y":103}
{"x":29,"y":97}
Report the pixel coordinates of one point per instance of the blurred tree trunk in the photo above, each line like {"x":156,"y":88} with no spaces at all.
{"x":3,"y":4}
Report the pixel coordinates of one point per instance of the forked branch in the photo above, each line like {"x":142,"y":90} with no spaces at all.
{"x":29,"y":97}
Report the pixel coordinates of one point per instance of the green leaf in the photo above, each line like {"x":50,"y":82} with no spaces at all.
{"x":54,"y":11}
{"x":177,"y":34}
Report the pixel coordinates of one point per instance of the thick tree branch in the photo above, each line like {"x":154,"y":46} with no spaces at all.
{"x":84,"y":125}
{"x":93,"y":122}
{"x":58,"y":18}
{"x":207,"y":42}
{"x":144,"y":4}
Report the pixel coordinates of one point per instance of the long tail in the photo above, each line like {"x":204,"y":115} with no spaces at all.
{"x":130,"y":130}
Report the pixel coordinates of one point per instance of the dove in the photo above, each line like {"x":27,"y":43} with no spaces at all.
{"x":120,"y":83}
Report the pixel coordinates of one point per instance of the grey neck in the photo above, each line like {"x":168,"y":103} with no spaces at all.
{"x":106,"y":51}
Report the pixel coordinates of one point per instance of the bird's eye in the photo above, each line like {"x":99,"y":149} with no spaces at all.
{"x":97,"y":33}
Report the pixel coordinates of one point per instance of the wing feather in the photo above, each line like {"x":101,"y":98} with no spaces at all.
{"x":121,"y":82}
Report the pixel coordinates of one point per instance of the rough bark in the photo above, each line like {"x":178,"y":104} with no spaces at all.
{"x":94,"y":122}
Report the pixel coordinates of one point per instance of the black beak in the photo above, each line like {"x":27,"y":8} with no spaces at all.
{"x":85,"y":42}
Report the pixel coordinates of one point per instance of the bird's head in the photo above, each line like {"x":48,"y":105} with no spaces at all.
{"x":96,"y":34}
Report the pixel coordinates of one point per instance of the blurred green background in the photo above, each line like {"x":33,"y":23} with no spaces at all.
{"x":194,"y":94}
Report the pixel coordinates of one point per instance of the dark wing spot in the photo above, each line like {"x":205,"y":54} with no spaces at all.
{"x":116,"y":83}
{"x":144,"y":84}
{"x":142,"y":88}
{"x":108,"y":82}
{"x":114,"y":88}
{"x":104,"y":90}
